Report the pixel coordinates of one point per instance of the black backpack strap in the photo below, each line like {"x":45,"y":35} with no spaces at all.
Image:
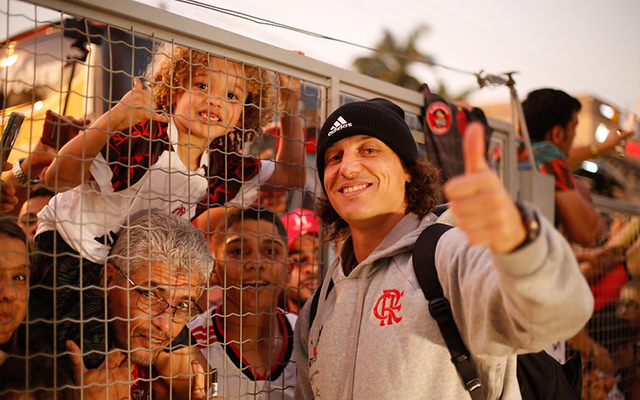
{"x":440,"y":308}
{"x":315,"y":299}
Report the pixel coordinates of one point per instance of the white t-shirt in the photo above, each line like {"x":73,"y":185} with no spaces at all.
{"x":237,"y":379}
{"x":88,"y":216}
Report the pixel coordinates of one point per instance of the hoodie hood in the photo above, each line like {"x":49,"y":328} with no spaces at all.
{"x":400,"y":239}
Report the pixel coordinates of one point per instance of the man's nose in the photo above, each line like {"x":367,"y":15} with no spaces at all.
{"x":350,"y":165}
{"x":256,"y":262}
{"x":8,"y":292}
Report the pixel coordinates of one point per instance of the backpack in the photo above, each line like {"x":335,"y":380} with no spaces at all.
{"x":444,"y":125}
{"x":540,"y":376}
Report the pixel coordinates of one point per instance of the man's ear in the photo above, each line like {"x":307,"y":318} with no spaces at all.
{"x":289,"y":271}
{"x":556,"y":135}
{"x":289,"y":276}
{"x":215,"y":279}
{"x":109,"y":275}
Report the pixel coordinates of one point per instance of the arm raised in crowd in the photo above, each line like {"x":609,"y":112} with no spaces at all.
{"x":74,"y":160}
{"x":290,"y":167}
{"x":578,"y":154}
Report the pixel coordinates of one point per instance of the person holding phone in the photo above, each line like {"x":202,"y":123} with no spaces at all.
{"x":27,"y":172}
{"x":8,"y":198}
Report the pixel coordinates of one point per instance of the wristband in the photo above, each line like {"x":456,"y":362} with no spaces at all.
{"x":530,"y":222}
{"x":20,"y":175}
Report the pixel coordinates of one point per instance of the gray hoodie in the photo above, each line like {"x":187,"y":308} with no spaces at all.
{"x":373,"y":337}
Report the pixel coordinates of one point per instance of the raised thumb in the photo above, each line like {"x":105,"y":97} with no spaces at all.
{"x":473,"y":148}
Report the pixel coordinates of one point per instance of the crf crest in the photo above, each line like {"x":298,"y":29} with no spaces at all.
{"x":387,"y":306}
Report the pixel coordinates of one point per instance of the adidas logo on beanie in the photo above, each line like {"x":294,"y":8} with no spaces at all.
{"x":378,"y":118}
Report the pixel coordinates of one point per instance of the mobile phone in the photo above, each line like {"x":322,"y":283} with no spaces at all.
{"x":9,"y":135}
{"x":213,"y":385}
{"x":58,"y":130}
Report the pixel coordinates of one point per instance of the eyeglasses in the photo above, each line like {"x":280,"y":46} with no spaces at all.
{"x":154,"y":305}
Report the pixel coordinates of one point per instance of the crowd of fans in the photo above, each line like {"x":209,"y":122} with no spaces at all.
{"x":152,"y":253}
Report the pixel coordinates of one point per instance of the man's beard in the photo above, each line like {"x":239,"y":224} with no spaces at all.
{"x":144,"y":358}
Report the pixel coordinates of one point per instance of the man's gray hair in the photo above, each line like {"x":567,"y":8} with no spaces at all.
{"x":161,"y":236}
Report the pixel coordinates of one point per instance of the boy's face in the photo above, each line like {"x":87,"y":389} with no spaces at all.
{"x":254,"y":268}
{"x":629,"y":305}
{"x":212,"y":103}
{"x":303,"y":255}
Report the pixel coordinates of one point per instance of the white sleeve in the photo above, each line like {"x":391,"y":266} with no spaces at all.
{"x":101,"y":174}
{"x":250,"y":190}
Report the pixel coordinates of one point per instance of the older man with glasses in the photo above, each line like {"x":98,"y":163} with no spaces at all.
{"x":146,"y":293}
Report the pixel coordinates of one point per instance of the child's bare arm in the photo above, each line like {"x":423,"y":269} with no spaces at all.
{"x":290,"y":167}
{"x":71,"y":166}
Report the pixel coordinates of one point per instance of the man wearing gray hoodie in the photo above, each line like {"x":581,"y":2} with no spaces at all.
{"x":512,"y":280}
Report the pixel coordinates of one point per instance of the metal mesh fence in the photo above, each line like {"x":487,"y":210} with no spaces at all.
{"x":154,"y":157}
{"x":167,"y":186}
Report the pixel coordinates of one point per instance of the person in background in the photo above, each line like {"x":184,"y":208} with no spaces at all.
{"x":552,"y":117}
{"x":247,"y":338}
{"x":27,"y":172}
{"x":23,"y":372}
{"x":629,"y":347}
{"x":629,"y":303}
{"x":135,"y":309}
{"x":38,"y":198}
{"x":304,"y":252}
{"x":15,"y":270}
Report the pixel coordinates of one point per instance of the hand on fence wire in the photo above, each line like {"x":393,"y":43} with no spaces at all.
{"x":111,"y":380}
{"x":135,"y":106}
{"x":203,"y":388}
{"x":289,"y":94}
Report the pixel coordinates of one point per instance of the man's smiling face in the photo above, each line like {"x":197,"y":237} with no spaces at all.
{"x":143,"y":334}
{"x":364,"y":179}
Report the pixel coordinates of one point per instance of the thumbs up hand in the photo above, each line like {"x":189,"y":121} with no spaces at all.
{"x":482,"y":207}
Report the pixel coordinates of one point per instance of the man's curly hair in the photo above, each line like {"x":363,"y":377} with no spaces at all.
{"x":421,"y":195}
{"x":170,"y":71}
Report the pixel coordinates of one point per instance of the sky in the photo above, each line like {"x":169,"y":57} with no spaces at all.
{"x":580,"y":46}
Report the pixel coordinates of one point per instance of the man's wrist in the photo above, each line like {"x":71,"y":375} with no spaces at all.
{"x":21,"y":176}
{"x":531,"y":223}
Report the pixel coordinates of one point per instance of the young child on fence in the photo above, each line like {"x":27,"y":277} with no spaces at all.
{"x":177,"y":147}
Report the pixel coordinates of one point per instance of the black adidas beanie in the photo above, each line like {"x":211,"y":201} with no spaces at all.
{"x":378,"y":118}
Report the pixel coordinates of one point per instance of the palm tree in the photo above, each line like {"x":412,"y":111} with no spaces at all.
{"x":391,"y":60}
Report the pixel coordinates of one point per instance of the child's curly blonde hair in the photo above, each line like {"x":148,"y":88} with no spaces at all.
{"x":170,"y":72}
